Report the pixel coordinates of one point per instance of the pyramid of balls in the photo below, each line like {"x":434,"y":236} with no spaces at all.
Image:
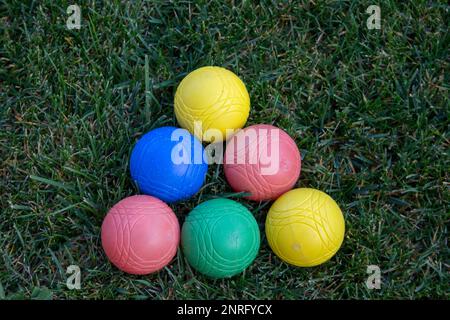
{"x":220,"y":237}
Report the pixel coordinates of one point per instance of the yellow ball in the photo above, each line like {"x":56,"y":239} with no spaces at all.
{"x":305,"y":227}
{"x":216,"y":97}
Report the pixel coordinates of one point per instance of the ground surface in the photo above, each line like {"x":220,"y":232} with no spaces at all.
{"x":369,"y":110}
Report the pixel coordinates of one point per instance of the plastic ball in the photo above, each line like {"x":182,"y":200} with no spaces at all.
{"x":305,"y":227}
{"x":262,"y":160}
{"x":220,"y":238}
{"x":216,"y":98}
{"x":168,"y":163}
{"x":140,"y":234}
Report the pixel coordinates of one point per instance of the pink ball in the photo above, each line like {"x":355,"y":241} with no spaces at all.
{"x":140,"y":234}
{"x":263,"y":160}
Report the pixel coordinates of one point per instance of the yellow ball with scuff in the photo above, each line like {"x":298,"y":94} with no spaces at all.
{"x":305,"y":227}
{"x":215,"y":98}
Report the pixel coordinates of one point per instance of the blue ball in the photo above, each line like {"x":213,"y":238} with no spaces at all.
{"x":168,"y":163}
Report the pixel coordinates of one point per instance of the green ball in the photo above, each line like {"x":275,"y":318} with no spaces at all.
{"x":220,"y":238}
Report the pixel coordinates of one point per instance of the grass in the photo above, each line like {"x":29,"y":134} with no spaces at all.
{"x":369,"y":110}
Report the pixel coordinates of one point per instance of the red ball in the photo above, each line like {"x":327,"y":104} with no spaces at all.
{"x":140,"y":234}
{"x":263,"y":160}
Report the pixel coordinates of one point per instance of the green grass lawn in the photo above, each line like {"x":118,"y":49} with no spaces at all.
{"x":369,"y":110}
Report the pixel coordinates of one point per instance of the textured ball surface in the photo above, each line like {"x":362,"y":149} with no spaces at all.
{"x":262,"y":160}
{"x":140,"y":234}
{"x":220,"y":238}
{"x":216,"y":97}
{"x":305,"y":227}
{"x":156,"y":171}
